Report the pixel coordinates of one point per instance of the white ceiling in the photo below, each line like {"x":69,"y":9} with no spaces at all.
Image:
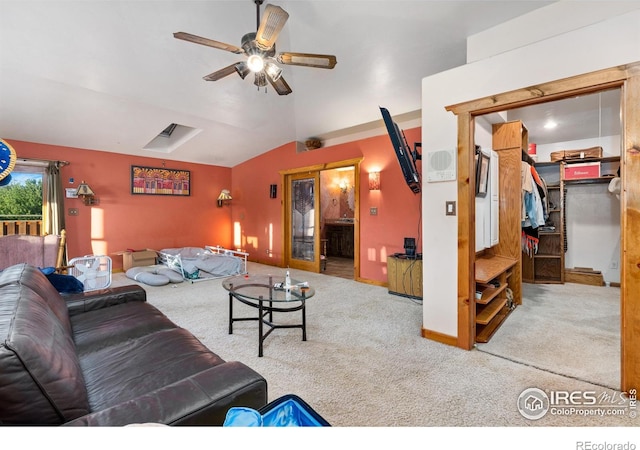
{"x":108,"y":75}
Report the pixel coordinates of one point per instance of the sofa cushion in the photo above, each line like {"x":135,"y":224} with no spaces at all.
{"x":94,"y":330}
{"x":35,"y":280}
{"x":41,"y":381}
{"x":136,"y":367}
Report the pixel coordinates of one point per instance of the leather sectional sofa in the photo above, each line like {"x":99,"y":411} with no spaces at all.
{"x":107,"y":358}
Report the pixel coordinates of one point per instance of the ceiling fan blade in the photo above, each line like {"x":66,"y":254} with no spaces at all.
{"x":307,"y":59}
{"x":271,"y":24}
{"x":215,"y":76}
{"x":208,"y":42}
{"x":281,"y":86}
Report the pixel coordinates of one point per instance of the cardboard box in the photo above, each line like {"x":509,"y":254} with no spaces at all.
{"x":138,"y":258}
{"x":579,"y":171}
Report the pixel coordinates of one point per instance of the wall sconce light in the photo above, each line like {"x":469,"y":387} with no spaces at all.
{"x":344,"y":186}
{"x":224,"y":198}
{"x":86,"y":194}
{"x":374,"y":181}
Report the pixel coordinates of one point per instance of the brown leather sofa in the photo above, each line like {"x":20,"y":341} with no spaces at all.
{"x":107,"y":358}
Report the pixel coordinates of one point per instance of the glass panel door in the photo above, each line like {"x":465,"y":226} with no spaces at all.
{"x":303,"y":221}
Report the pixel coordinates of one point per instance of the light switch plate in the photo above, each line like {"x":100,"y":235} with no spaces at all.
{"x":450,"y":208}
{"x":373,"y":211}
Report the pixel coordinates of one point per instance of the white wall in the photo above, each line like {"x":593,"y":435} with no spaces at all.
{"x":602,"y":45}
{"x":544,"y":23}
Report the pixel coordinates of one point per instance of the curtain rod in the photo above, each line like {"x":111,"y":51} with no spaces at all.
{"x":42,"y":161}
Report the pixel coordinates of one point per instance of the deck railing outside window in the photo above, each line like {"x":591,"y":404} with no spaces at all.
{"x":31,"y":227}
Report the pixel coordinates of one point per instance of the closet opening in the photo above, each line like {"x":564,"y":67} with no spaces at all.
{"x":568,"y":318}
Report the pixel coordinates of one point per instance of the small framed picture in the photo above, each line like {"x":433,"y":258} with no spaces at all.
{"x":482,"y":174}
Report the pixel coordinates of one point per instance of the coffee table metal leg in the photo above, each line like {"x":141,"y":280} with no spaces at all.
{"x":230,"y":313}
{"x":260,"y":325}
{"x":304,"y":320}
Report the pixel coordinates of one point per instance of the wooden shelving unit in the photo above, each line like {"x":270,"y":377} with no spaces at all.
{"x":548,"y":262}
{"x":499,"y":268}
{"x":547,"y":265}
{"x":492,"y":279}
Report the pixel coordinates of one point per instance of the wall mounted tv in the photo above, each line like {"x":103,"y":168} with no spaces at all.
{"x":406,"y":157}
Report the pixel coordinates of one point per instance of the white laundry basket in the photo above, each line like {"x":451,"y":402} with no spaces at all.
{"x":94,"y":271}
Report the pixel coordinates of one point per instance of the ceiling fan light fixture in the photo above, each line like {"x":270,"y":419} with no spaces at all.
{"x":255,"y":63}
{"x":260,"y":80}
{"x":242,"y":69}
{"x":273,"y":71}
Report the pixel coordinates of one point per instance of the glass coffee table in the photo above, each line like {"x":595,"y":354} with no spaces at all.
{"x":267,"y":294}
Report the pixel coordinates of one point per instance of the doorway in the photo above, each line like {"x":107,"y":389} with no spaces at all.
{"x":577,"y":316}
{"x":337,"y":221}
{"x":321,"y":218}
{"x":626,"y":77}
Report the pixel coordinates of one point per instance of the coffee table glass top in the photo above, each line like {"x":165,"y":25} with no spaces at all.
{"x":265,"y":287}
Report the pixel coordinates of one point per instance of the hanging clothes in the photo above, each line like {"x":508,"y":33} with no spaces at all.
{"x":542,"y":190}
{"x":533,"y":212}
{"x":529,"y":241}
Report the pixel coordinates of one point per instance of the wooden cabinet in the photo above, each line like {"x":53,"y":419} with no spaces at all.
{"x":493,"y":274}
{"x":404,"y":276}
{"x":340,"y":240}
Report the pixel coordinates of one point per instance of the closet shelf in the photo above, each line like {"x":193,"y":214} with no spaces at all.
{"x":485,"y":314}
{"x":489,"y":292}
{"x":589,"y":180}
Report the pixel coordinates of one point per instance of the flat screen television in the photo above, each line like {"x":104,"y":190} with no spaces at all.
{"x":406,"y":157}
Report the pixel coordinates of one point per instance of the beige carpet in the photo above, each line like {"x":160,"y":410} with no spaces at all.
{"x":570,"y":329}
{"x":365,"y":362}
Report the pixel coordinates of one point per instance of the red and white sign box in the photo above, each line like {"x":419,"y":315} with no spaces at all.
{"x":582,"y":170}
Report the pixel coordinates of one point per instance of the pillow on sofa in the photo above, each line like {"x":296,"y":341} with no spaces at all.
{"x":62,"y":283}
{"x":65,"y":283}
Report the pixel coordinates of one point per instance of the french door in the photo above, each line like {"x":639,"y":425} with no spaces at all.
{"x":302,"y":221}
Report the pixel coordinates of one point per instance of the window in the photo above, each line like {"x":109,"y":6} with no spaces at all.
{"x":21,"y":201}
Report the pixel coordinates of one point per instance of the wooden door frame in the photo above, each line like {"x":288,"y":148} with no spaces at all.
{"x":285,"y":176}
{"x":625,"y":77}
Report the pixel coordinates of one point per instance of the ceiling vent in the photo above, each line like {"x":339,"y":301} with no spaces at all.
{"x":171,"y":137}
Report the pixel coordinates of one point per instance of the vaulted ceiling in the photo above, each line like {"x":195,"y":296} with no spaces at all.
{"x":110,"y":76}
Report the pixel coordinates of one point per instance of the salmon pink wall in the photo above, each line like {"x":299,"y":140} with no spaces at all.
{"x":122,"y":220}
{"x":259,"y":218}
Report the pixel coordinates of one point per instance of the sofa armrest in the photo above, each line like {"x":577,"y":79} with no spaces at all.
{"x":92,"y":300}
{"x":201,"y":399}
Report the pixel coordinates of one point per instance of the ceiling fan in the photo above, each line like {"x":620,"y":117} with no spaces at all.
{"x":260,"y":49}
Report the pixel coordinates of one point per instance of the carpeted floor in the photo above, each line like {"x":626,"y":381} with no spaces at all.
{"x":570,"y":329}
{"x":366,"y":364}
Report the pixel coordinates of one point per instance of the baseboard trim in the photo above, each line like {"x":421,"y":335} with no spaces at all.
{"x":440,"y":337}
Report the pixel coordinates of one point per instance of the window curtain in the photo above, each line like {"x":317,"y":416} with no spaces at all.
{"x":54,"y":201}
